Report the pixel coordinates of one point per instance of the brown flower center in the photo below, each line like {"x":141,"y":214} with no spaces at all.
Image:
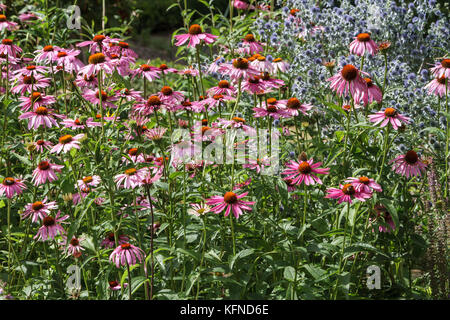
{"x":204,"y":122}
{"x":154,"y":101}
{"x":369,"y":82}
{"x":218,"y":96}
{"x":271,"y":101}
{"x":36,"y":96}
{"x":195,"y":29}
{"x":363,"y":37}
{"x":28,"y":80}
{"x":62,"y":54}
{"x":445,"y":63}
{"x":104,"y":95}
{"x":130,"y":171}
{"x":125,"y":246}
{"x":48,"y":48}
{"x":2,"y":18}
{"x":40,"y":142}
{"x":44,"y":165}
{"x":254,"y":79}
{"x":163,"y":67}
{"x":97,"y":58}
{"x":293,"y":103}
{"x":99,"y":38}
{"x":8,"y":181}
{"x":364,"y":180}
{"x":166,"y":90}
{"x":304,"y":168}
{"x":49,"y":221}
{"x":7,"y":42}
{"x":205,"y":128}
{"x":411,"y":157}
{"x":271,"y":108}
{"x":111,"y":236}
{"x":65,"y":139}
{"x":277,"y":60}
{"x":441,"y":80}
{"x":250,"y":38}
{"x":237,"y":119}
{"x":390,"y":112}
{"x":42,"y":111}
{"x":348,"y":189}
{"x":240,"y":63}
{"x":349,"y":72}
{"x":74,"y":242}
{"x":230,"y":197}
{"x":145,"y":67}
{"x":38,"y":205}
{"x":88,"y":179}
{"x":224,"y":84}
{"x":123,"y":45}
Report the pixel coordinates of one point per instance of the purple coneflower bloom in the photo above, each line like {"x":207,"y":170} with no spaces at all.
{"x":51,"y":227}
{"x":68,"y":61}
{"x":45,"y":171}
{"x":279,"y":65}
{"x":109,"y":241}
{"x":239,"y":69}
{"x":131,"y":178}
{"x":250,"y":45}
{"x":224,"y":88}
{"x":293,"y":106}
{"x":199,"y":210}
{"x":8,"y":48}
{"x":408,"y":165}
{"x":364,"y":184}
{"x":169,"y":96}
{"x":38,"y":210}
{"x":11,"y":186}
{"x":389,"y":115}
{"x":97,"y":43}
{"x":231,"y":202}
{"x":437,"y":86}
{"x":373,"y":92}
{"x":30,"y":83}
{"x":304,"y":172}
{"x":194,"y":36}
{"x":89,"y":181}
{"x":47,"y":54}
{"x":41,"y":116}
{"x":442,"y":69}
{"x":67,"y":142}
{"x":345,"y":193}
{"x":97,"y":61}
{"x":146,"y":71}
{"x":8,"y":25}
{"x":126,"y":254}
{"x":363,"y":43}
{"x":36,"y":99}
{"x":349,"y":80}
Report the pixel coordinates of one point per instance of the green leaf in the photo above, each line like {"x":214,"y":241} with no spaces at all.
{"x":240,"y":255}
{"x":316,"y":272}
{"x":289,"y":273}
{"x":361,"y":247}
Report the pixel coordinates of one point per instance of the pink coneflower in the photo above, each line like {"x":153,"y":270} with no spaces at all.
{"x":442,"y":69}
{"x":437,"y":86}
{"x":109,"y":241}
{"x":74,"y":248}
{"x":254,"y":85}
{"x":165,"y":69}
{"x":305,"y":172}
{"x":235,"y":122}
{"x":224,"y":88}
{"x":256,"y":164}
{"x":38,"y":210}
{"x":45,"y":171}
{"x":250,"y":45}
{"x":169,"y":96}
{"x":122,"y":48}
{"x":130,"y":94}
{"x":199,"y":210}
{"x":364,"y":184}
{"x":8,"y":25}
{"x":97,"y":43}
{"x":242,"y":5}
{"x":30,"y":83}
{"x":36,"y":99}
{"x":51,"y":227}
{"x":131,"y":178}
{"x":153,"y":104}
{"x":120,"y":63}
{"x":86,"y":82}
{"x":291,"y":186}
{"x":146,"y":71}
{"x":97,"y":61}
{"x":387,"y":225}
{"x":89,"y":181}
{"x":80,"y":123}
{"x":189,"y":72}
{"x":349,"y":80}
{"x":94,"y":98}
{"x":11,"y":186}
{"x":279,"y":65}
{"x":195,"y":35}
{"x":373,"y":92}
{"x":408,"y":164}
{"x":40,"y":145}
{"x":68,"y":61}
{"x":216,"y":100}
{"x":67,"y":142}
{"x":239,"y":69}
{"x":27,"y":17}
{"x":115,"y":285}
{"x":363,"y":43}
{"x":293,"y":106}
{"x":31,"y":70}
{"x":261,"y":64}
{"x":270,"y":83}
{"x":126,"y":254}
{"x":47,"y":54}
{"x":345,"y":193}
{"x":272,"y":108}
{"x":41,"y":116}
{"x":231,"y":202}
{"x":389,"y":115}
{"x":8,"y":48}
{"x":155,"y":133}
